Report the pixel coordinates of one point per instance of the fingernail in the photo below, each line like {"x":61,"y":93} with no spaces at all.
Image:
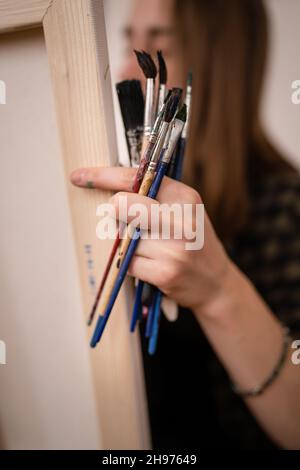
{"x":77,"y":177}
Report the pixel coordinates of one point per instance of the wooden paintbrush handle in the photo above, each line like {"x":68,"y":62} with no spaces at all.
{"x":146,"y":183}
{"x":144,"y":189}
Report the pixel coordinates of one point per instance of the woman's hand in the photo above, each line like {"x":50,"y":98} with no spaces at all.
{"x":244,"y":333}
{"x":193,"y":278}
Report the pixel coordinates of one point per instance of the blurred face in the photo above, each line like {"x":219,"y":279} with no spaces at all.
{"x":150,"y":28}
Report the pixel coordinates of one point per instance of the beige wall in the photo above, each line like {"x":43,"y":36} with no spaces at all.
{"x":281,"y":117}
{"x":46,"y":394}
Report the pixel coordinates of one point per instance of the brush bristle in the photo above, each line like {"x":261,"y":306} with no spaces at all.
{"x":167,"y":96}
{"x":171,"y":107}
{"x":131,"y":101}
{"x":146,"y":63}
{"x":178,"y":91}
{"x":182,"y":113}
{"x":162,"y":68}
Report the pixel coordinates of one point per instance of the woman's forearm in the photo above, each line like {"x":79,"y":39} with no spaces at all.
{"x":248,"y":340}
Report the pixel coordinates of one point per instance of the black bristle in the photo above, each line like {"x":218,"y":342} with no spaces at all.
{"x":171,"y":107}
{"x":151,"y":65}
{"x":181,"y":114}
{"x":167,"y":96}
{"x":162,"y":68}
{"x":177,"y":90}
{"x":146,"y":63}
{"x":131,"y":101}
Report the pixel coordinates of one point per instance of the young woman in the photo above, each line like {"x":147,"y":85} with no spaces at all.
{"x":222,"y":376}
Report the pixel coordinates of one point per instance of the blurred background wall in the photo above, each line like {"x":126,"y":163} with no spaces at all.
{"x":280,"y":115}
{"x":46,"y":393}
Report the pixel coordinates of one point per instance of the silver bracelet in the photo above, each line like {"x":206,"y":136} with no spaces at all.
{"x":275,"y":372}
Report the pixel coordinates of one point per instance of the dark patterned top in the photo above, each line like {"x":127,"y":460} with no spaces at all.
{"x":191,"y":403}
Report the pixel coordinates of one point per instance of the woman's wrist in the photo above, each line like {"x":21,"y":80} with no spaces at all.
{"x":245,"y":335}
{"x":223,"y":303}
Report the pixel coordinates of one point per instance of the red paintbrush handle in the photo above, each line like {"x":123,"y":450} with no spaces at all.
{"x":142,"y":167}
{"x":104,"y":277}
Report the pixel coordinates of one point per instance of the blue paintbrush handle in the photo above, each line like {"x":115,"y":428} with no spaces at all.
{"x":157,"y":299}
{"x":137,"y":307}
{"x":150,"y":318}
{"x":179,"y":159}
{"x":156,"y":308}
{"x":118,"y":284}
{"x":155,"y":325}
{"x":158,"y":179}
{"x":125,"y":265}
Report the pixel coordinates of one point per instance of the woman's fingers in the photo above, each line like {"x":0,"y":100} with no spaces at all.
{"x":121,"y":179}
{"x":168,"y":216}
{"x":145,"y":213}
{"x":109,"y":178}
{"x":143,"y":268}
{"x":130,"y":206}
{"x":158,"y":249}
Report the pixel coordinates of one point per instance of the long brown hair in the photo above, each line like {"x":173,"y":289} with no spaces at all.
{"x":225,"y":44}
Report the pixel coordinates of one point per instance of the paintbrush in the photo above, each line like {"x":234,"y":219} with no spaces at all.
{"x":177,"y":170}
{"x":182,"y":141}
{"x":162,"y":79}
{"x":155,"y":322}
{"x":176,"y":173}
{"x":135,"y":188}
{"x":150,"y":145}
{"x":139,"y":290}
{"x":176,"y":164}
{"x":149,"y":69}
{"x":154,"y":311}
{"x":123,"y":266}
{"x":169,"y":144}
{"x":131,"y":101}
{"x":137,"y":307}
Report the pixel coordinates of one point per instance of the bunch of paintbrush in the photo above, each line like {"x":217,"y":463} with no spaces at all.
{"x":155,"y":142}
{"x":168,"y":137}
{"x":154,"y":310}
{"x":149,"y":137}
{"x":144,"y":177}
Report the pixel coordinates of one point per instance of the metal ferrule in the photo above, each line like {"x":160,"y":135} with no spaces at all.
{"x":149,"y":106}
{"x":168,"y":134}
{"x":161,"y":96}
{"x":176,"y":130}
{"x":152,"y":166}
{"x":160,"y":141}
{"x":188,"y":102}
{"x":156,"y":127}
